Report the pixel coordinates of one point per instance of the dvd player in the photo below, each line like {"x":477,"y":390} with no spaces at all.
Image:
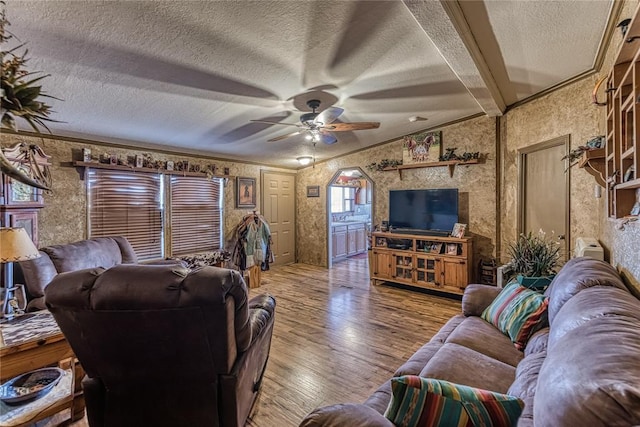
{"x":399,"y":243}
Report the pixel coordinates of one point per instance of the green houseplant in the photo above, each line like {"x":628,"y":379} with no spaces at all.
{"x":20,"y":97}
{"x":534,"y":259}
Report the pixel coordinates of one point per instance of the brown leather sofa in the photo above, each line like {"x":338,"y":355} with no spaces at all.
{"x":98,"y":252}
{"x":164,"y":345}
{"x":583,"y":370}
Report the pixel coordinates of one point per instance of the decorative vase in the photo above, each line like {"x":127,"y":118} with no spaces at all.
{"x":539,"y":284}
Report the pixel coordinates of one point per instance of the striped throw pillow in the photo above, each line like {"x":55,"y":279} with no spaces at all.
{"x":518,"y":312}
{"x":426,"y":402}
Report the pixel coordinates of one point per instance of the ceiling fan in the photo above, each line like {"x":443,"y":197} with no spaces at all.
{"x":320,"y":125}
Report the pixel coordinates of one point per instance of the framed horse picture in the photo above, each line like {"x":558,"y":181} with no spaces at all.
{"x":425,"y":147}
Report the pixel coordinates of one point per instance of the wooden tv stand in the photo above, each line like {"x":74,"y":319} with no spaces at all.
{"x":431,"y":262}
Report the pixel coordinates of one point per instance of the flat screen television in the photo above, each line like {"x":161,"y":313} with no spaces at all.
{"x":423,"y":210}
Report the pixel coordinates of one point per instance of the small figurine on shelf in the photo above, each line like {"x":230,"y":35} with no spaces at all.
{"x":466,"y":156}
{"x":383,"y":164}
{"x":148,"y":161}
{"x":449,"y":155}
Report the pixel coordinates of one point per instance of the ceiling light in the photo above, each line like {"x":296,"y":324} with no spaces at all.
{"x":308,"y":137}
{"x":304,"y":160}
{"x":413,"y":119}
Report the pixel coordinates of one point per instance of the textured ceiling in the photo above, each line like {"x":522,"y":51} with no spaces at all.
{"x":189,"y":75}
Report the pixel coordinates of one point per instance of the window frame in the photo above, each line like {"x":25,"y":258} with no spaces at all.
{"x":348,"y":199}
{"x":191,"y":209}
{"x":144,"y":198}
{"x":166,"y":209}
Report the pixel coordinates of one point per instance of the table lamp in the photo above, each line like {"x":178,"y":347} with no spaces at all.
{"x":15,"y":245}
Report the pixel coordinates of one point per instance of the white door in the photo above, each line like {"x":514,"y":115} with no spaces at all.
{"x":544,"y":190}
{"x":278,"y":201}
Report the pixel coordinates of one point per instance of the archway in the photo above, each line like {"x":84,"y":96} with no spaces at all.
{"x":349,"y":214}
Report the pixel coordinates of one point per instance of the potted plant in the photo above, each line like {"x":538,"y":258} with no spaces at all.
{"x":534,"y":259}
{"x":21,"y":96}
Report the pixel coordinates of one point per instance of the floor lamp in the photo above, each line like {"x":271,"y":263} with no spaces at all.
{"x":15,"y":245}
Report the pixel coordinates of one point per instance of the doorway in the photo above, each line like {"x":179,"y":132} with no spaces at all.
{"x":278,"y":204}
{"x":349,"y":214}
{"x":543,"y":199}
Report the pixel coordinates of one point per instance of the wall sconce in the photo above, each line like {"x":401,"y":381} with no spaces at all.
{"x":304,"y":160}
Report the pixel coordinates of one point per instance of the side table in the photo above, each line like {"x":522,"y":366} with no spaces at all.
{"x":34,"y":341}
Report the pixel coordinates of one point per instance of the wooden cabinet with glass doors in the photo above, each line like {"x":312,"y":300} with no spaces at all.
{"x":430,"y":262}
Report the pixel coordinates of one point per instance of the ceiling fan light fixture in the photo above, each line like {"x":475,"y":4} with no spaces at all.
{"x":304,"y":160}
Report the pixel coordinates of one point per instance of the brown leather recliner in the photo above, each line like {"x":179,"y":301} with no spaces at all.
{"x":102,"y":252}
{"x":164,"y":345}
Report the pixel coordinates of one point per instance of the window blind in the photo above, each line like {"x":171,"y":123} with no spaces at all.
{"x":129,"y":204}
{"x":196,"y":215}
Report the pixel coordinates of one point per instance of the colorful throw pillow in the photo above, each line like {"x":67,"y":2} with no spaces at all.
{"x":426,"y":402}
{"x":518,"y":312}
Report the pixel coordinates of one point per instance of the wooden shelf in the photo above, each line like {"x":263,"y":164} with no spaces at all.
{"x":628,"y":50}
{"x":623,"y":127}
{"x":97,"y":165}
{"x":634,"y":183}
{"x":628,"y":154}
{"x":450,"y":163}
{"x":593,"y":161}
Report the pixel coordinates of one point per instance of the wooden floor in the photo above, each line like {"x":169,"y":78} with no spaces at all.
{"x":336,"y":337}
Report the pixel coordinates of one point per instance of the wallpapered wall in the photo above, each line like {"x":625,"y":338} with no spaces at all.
{"x":567,"y":111}
{"x":64,"y":218}
{"x":476,"y":184}
{"x":570,"y":111}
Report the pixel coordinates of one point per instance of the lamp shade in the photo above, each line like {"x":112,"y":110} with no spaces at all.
{"x":16,"y":245}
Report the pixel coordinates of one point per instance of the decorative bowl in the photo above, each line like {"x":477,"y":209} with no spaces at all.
{"x":30,"y":385}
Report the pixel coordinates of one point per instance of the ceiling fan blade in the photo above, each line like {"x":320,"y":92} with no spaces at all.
{"x":327,"y":137}
{"x":342,"y":127}
{"x":278,"y":138}
{"x":275,"y":123}
{"x":329,"y":115}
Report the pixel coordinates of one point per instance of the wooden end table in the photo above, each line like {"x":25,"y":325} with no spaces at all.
{"x":34,"y":341}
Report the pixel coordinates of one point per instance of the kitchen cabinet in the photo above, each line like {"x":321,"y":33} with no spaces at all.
{"x":339,"y":241}
{"x":361,"y":239}
{"x":348,"y":239}
{"x":363,"y":194}
{"x":351,"y":241}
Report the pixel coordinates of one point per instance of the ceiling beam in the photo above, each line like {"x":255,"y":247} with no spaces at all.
{"x":446,"y":26}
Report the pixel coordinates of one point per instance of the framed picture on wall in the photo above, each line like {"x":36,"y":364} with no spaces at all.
{"x":425,"y":147}
{"x":313,"y":191}
{"x":245,"y":192}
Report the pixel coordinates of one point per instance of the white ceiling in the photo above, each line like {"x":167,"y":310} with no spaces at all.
{"x":189,"y":75}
